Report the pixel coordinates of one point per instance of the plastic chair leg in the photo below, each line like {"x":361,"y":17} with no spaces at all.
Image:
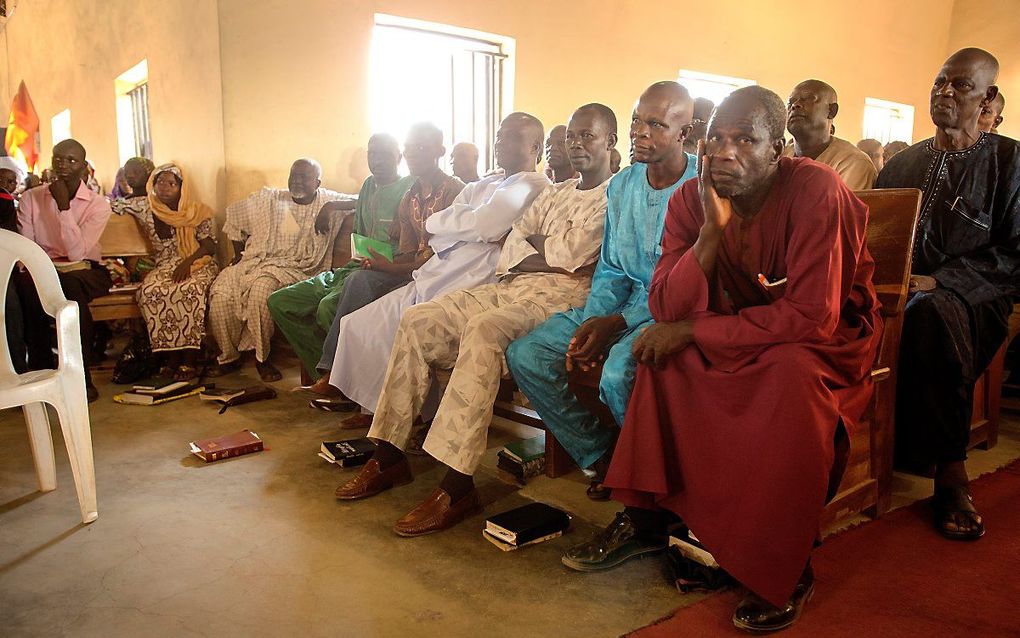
{"x":41,"y":441}
{"x":74,"y":423}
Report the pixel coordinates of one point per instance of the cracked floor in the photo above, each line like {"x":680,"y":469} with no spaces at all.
{"x":257,"y":546}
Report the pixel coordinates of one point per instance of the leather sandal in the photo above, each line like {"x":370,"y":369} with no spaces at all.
{"x":950,"y":505}
{"x":597,"y":491}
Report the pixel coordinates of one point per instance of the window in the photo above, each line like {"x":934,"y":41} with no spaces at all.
{"x":132,"y":89}
{"x":711,"y":86}
{"x":460,"y":80}
{"x":888,"y":121}
{"x":60,"y":126}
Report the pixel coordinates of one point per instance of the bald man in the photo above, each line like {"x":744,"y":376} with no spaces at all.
{"x":600,"y":334}
{"x":66,"y":219}
{"x":464,"y":243}
{"x":275,"y":245}
{"x":964,"y":281}
{"x":557,"y":163}
{"x":544,"y":267}
{"x":874,"y":150}
{"x":991,"y":115}
{"x":811,"y":109}
{"x":464,"y":161}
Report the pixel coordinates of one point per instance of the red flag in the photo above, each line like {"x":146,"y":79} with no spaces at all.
{"x":22,"y":129}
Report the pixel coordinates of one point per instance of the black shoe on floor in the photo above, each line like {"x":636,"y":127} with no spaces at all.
{"x":616,"y":544}
{"x":758,"y":616}
{"x":91,"y":393}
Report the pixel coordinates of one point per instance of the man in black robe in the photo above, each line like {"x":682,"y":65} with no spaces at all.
{"x":965,"y":277}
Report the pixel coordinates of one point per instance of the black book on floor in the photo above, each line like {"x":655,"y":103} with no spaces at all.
{"x":349,"y":453}
{"x":526,"y":523}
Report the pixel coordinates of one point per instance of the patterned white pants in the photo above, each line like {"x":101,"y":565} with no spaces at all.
{"x":468,"y":331}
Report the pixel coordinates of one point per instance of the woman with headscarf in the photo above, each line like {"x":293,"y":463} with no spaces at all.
{"x":173,"y":296}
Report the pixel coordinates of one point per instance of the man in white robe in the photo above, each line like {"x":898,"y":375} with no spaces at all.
{"x":466,"y":240}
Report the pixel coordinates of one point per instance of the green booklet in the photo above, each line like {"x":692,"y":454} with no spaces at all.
{"x":360,"y":245}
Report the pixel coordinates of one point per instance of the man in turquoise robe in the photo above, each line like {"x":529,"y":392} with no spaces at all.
{"x":603,"y":331}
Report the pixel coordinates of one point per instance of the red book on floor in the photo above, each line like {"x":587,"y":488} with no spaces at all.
{"x":227,"y":446}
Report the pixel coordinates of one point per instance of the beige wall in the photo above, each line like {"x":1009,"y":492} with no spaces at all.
{"x":70,"y":51}
{"x":296,"y":71}
{"x":251,"y":84}
{"x":992,"y":25}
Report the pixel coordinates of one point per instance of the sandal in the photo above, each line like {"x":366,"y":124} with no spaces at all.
{"x":954,"y":507}
{"x":186,"y":372}
{"x":597,"y":491}
{"x":267,"y":371}
{"x":222,"y":369}
{"x":337,"y":404}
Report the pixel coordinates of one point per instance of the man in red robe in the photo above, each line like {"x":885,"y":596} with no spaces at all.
{"x":767,"y":327}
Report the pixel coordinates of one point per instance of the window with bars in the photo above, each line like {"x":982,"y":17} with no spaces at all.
{"x":134,"y":135}
{"x":139,"y":97}
{"x":459,"y":80}
{"x":888,"y":121}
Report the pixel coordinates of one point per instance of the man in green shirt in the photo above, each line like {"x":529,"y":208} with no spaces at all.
{"x":305,"y":310}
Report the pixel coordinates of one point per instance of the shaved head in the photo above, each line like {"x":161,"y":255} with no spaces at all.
{"x":984,"y":63}
{"x":660,"y":123}
{"x":963,"y":87}
{"x":70,"y":145}
{"x":811,"y":108}
{"x":603,"y":113}
{"x":991,"y":114}
{"x":519,"y":142}
{"x":681,"y":106}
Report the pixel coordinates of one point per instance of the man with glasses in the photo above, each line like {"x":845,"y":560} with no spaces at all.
{"x":66,"y":219}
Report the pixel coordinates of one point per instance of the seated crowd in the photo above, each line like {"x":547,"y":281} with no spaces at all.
{"x":719,"y":288}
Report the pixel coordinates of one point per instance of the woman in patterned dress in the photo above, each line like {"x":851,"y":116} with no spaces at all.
{"x":174,"y":295}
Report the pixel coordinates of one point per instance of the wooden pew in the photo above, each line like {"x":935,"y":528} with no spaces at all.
{"x":984,"y":425}
{"x":867,"y":478}
{"x":866,"y":486}
{"x":122,"y":237}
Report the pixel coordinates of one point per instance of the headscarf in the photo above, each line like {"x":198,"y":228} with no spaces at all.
{"x":189,"y":214}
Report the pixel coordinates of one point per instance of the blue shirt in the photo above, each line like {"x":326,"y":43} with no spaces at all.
{"x":631,"y":245}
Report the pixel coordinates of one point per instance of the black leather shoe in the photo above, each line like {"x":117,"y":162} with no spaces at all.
{"x":760,"y":617}
{"x":619,"y":542}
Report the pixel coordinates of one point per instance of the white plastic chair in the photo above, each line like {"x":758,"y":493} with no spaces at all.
{"x":63,"y":388}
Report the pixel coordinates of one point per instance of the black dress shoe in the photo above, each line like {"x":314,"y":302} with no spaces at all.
{"x":91,"y":393}
{"x":758,"y":616}
{"x":616,"y":544}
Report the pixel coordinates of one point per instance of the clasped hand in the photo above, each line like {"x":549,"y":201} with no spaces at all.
{"x":659,"y":341}
{"x":587,"y":348}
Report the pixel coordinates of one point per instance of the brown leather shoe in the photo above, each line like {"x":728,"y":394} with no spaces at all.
{"x":435,"y":514}
{"x":371,"y":480}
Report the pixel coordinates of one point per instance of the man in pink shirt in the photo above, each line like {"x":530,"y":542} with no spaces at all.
{"x":66,"y":219}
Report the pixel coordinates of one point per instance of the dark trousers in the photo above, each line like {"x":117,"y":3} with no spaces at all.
{"x":15,"y":328}
{"x":81,"y":286}
{"x":946,"y":346}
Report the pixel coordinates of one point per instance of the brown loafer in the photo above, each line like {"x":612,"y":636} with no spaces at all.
{"x":435,"y":514}
{"x":356,"y":422}
{"x":371,"y":480}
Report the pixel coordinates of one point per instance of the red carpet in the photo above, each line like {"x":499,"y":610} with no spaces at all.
{"x":897,"y":578}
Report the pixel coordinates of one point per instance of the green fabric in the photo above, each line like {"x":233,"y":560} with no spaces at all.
{"x":304,"y":311}
{"x":388,"y":198}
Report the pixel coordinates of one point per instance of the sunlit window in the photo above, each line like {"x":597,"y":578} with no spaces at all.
{"x":711,"y":86}
{"x":60,"y":126}
{"x":888,"y":121}
{"x":459,"y":80}
{"x":133,"y":135}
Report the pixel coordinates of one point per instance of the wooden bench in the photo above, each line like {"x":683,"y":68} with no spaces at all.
{"x":122,"y":237}
{"x":984,"y":424}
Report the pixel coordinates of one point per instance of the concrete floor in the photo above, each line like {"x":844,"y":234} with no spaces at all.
{"x":257,"y":546}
